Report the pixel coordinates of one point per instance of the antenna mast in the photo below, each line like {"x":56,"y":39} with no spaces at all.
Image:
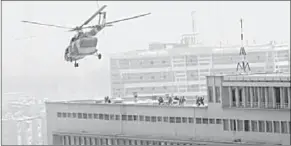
{"x":194,"y":27}
{"x":243,"y":65}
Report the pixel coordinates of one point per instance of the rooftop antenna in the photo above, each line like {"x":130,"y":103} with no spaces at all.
{"x":194,"y":27}
{"x":243,"y":65}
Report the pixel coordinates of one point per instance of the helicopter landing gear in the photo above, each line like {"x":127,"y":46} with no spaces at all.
{"x":76,"y":64}
{"x":99,"y":56}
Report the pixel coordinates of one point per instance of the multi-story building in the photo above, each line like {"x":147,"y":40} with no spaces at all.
{"x":249,"y":109}
{"x":180,"y":69}
{"x":24,"y":121}
{"x":24,"y":131}
{"x":9,"y":132}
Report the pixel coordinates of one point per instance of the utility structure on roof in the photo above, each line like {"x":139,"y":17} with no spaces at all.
{"x":243,"y":65}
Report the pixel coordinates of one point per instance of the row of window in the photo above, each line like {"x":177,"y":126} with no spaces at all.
{"x":123,"y":64}
{"x":265,"y":95}
{"x":228,"y":124}
{"x":163,"y":89}
{"x":256,"y":126}
{"x":84,"y":140}
{"x":141,"y":118}
{"x":191,"y":75}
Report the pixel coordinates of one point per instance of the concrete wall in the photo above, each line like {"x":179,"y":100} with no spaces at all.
{"x":182,"y":130}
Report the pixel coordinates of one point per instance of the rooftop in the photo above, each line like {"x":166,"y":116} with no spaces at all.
{"x":128,"y":101}
{"x":258,"y":76}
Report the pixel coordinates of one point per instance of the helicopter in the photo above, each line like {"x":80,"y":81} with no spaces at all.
{"x":85,"y":43}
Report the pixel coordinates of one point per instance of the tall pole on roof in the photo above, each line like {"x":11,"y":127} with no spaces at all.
{"x":194,"y":31}
{"x":243,"y":65}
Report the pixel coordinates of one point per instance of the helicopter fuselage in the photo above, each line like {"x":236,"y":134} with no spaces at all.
{"x":82,"y":45}
{"x":81,"y":48}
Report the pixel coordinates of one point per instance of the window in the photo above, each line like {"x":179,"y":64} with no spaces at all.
{"x":217,"y":94}
{"x":277,"y":95}
{"x":211,"y":121}
{"x":240,"y":125}
{"x":141,"y":118}
{"x":205,"y":121}
{"x":147,"y":118}
{"x":225,"y":125}
{"x":95,"y":116}
{"x":247,"y":125}
{"x":59,"y":114}
{"x":64,"y":115}
{"x":160,"y":119}
{"x":166,"y":119}
{"x":154,"y":119}
{"x":69,"y":115}
{"x":284,"y":127}
{"x":218,"y":121}
{"x":210,"y":94}
{"x":101,"y":116}
{"x":89,"y":116}
{"x":129,"y":117}
{"x":123,"y":117}
{"x":276,"y":126}
{"x":240,"y":95}
{"x":111,"y":117}
{"x":232,"y":125}
{"x":261,"y":126}
{"x":172,"y":119}
{"x":285,"y":95}
{"x":79,"y":115}
{"x":184,"y":120}
{"x":106,"y":117}
{"x":254,"y":126}
{"x":190,"y":120}
{"x":269,"y":126}
{"x":135,"y":117}
{"x":117,"y":117}
{"x":85,"y":115}
{"x":198,"y":120}
{"x":178,"y":119}
{"x":74,"y":115}
{"x":233,"y":96}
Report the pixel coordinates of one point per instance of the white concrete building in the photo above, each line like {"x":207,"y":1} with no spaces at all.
{"x":180,"y":69}
{"x":253,"y":109}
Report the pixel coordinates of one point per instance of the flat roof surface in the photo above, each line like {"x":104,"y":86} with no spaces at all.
{"x":257,"y":76}
{"x":119,"y":101}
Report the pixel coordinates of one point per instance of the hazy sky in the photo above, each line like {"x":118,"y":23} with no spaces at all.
{"x":37,"y":64}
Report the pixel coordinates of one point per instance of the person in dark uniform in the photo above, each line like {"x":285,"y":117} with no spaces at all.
{"x":161,"y":100}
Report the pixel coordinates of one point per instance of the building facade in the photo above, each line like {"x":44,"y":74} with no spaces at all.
{"x":181,"y":69}
{"x":253,"y":109}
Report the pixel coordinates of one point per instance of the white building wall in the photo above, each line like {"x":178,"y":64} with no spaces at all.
{"x":182,"y":130}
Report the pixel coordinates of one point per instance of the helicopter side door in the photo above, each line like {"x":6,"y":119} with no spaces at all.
{"x":87,"y":45}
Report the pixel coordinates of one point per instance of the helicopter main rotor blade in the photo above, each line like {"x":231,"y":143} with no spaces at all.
{"x":57,"y":26}
{"x":93,"y":16}
{"x":129,"y":18}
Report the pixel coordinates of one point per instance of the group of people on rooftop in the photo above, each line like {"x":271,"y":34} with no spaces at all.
{"x":167,"y":100}
{"x":170,"y":100}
